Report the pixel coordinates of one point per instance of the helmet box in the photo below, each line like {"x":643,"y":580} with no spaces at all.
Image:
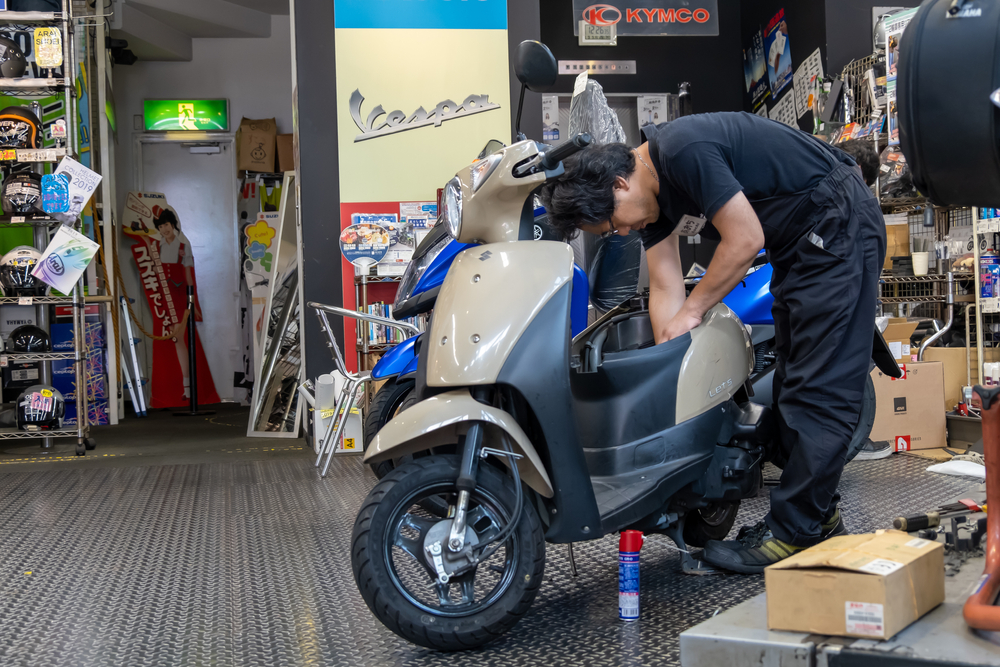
{"x":949,"y":127}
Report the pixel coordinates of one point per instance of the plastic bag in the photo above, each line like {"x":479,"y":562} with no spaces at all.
{"x":894,"y":178}
{"x":614,"y":273}
{"x":589,"y":112}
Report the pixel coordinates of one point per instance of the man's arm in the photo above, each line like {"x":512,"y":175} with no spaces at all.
{"x":666,"y":283}
{"x":742,"y":238}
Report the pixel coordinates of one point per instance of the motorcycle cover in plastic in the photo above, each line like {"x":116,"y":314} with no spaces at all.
{"x":589,"y":112}
{"x":949,"y":128}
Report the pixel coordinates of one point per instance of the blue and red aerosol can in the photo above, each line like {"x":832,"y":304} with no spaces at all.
{"x":629,"y":545}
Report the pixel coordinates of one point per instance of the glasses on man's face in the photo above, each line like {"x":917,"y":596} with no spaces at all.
{"x":611,"y":232}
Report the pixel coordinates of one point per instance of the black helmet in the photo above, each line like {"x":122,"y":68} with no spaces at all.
{"x":29,"y":338}
{"x":19,"y":128}
{"x":22,"y":193}
{"x":15,"y":272}
{"x":12,"y":60}
{"x":40,"y":408}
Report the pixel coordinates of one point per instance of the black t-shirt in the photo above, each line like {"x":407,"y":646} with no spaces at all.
{"x":705,"y":159}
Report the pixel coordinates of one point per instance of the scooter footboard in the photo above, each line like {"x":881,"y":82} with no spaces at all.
{"x":441,"y":419}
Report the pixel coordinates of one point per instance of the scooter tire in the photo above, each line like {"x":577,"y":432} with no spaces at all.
{"x":866,"y":420}
{"x":385,"y":405}
{"x":388,"y":603}
{"x":701,"y":526}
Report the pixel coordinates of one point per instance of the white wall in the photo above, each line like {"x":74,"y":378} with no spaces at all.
{"x":255,"y":75}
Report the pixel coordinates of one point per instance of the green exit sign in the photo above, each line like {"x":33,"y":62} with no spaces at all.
{"x":182,"y":115}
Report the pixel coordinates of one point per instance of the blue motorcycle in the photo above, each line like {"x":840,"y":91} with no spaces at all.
{"x":419,"y":287}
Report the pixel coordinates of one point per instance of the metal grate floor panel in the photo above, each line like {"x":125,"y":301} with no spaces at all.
{"x":246,"y":563}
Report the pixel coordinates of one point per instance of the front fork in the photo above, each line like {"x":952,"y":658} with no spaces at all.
{"x":465,"y":484}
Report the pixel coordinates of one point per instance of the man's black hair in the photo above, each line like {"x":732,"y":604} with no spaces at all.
{"x":864,"y":154}
{"x":585,"y":193}
{"x":166,"y":216}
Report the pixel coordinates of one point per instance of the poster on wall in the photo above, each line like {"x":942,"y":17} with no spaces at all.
{"x":779,"y":53}
{"x":550,"y":118}
{"x":806,"y":77}
{"x":258,"y":257}
{"x":755,"y":71}
{"x":652,"y":110}
{"x":166,"y":267}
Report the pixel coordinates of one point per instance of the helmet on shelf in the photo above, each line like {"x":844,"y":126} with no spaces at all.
{"x":40,"y":407}
{"x":29,"y":338}
{"x":20,"y":128}
{"x":12,"y":60}
{"x":22,"y":193}
{"x":15,"y":272}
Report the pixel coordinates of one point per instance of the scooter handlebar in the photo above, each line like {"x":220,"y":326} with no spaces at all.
{"x":552,"y":158}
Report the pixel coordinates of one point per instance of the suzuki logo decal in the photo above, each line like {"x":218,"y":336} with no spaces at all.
{"x":397,"y":121}
{"x":485,"y":256}
{"x":602,"y":15}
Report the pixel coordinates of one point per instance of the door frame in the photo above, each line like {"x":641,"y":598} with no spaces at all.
{"x":191,"y":137}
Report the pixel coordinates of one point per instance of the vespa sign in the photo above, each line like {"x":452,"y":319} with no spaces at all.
{"x":397,"y":121}
{"x":650,"y":17}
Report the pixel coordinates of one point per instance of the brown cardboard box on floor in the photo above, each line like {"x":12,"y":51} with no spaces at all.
{"x":869,"y":586}
{"x":897,"y":336}
{"x":909,"y":411}
{"x":255,"y":145}
{"x":286,"y":157}
{"x":955,"y":372}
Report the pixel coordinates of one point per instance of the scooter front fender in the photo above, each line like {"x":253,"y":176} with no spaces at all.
{"x":398,"y":360}
{"x":439,"y":420}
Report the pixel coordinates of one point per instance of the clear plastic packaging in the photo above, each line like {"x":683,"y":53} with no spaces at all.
{"x":589,"y":112}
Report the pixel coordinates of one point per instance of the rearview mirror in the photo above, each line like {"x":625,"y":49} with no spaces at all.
{"x":535,"y":66}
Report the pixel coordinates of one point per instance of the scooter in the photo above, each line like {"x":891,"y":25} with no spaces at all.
{"x":555,"y":440}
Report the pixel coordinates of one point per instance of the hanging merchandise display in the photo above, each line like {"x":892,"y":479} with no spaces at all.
{"x":55,"y":193}
{"x":40,"y":408}
{"x":22,"y":193}
{"x":15,"y":272}
{"x":65,"y":259}
{"x":82,"y":184}
{"x":166,"y":268}
{"x":895,"y":25}
{"x":364,"y":244}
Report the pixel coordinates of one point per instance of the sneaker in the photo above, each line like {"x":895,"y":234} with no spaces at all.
{"x":874,"y":449}
{"x":833,"y":526}
{"x":753,"y":549}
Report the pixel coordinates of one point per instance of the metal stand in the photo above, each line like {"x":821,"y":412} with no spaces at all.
{"x":140,"y":406}
{"x":355,"y":381}
{"x":192,"y":364}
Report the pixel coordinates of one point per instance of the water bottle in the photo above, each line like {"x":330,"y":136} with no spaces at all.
{"x":629,"y":545}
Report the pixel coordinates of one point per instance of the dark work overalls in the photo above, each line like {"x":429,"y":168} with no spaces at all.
{"x":827,"y":262}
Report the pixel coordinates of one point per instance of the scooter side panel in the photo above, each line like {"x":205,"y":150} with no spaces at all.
{"x":538,"y":370}
{"x":716,"y":365}
{"x":490,"y":296}
{"x":396,"y":360}
{"x":437,"y":421}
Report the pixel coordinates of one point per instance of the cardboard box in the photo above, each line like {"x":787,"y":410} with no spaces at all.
{"x":869,"y":586}
{"x":908,"y":411}
{"x":286,"y":154}
{"x":897,"y":243}
{"x":955,"y":372}
{"x":897,"y":336}
{"x":98,"y":413}
{"x":255,"y":142}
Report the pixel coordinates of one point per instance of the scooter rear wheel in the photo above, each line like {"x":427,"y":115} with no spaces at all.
{"x":400,"y":586}
{"x":710,"y":523}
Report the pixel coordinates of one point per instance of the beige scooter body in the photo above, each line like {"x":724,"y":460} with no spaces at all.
{"x":501,"y":320}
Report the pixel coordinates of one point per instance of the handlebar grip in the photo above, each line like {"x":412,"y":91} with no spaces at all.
{"x":552,"y":159}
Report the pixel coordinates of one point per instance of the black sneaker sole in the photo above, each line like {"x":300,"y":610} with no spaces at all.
{"x":729,"y":561}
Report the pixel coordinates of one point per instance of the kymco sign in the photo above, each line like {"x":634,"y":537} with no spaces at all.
{"x":651,"y":17}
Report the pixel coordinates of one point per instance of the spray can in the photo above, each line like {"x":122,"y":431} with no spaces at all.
{"x":629,"y":545}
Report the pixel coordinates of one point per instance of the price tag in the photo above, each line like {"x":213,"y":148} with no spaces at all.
{"x":8,"y":155}
{"x":3,"y":361}
{"x":58,"y":129}
{"x":48,"y":47}
{"x":24,"y":300}
{"x":17,"y":218}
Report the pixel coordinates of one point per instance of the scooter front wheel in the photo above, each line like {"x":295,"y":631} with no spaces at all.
{"x":396,"y":533}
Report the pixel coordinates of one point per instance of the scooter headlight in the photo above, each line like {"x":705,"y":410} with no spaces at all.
{"x":415,"y":271}
{"x":482,"y":170}
{"x":452,"y":213}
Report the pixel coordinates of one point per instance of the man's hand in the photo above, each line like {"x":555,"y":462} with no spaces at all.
{"x":680,"y":324}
